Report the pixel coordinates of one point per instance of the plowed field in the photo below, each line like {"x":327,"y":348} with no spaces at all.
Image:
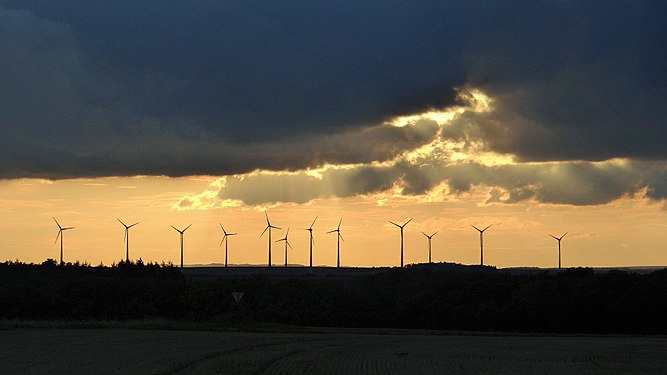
{"x":126,"y":351}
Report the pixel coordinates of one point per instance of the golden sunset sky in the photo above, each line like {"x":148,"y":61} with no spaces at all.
{"x":627,"y":231}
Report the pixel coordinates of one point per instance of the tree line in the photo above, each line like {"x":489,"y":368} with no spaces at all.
{"x":455,"y":297}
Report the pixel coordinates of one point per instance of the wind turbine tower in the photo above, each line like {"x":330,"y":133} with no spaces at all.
{"x":429,"y":244}
{"x":401,"y":228}
{"x":60,"y":234}
{"x":310,"y":229}
{"x":286,"y":244}
{"x":181,"y":232}
{"x":481,"y":243}
{"x":126,"y":239}
{"x":558,"y":239}
{"x":225,"y":238}
{"x":268,"y":227}
{"x":339,"y":237}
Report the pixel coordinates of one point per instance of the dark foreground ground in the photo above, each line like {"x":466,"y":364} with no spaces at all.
{"x":128,"y":351}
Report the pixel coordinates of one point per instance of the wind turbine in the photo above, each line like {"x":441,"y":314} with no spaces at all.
{"x":429,"y":244}
{"x":60,"y":234}
{"x":310,"y":229}
{"x":558,"y":239}
{"x":401,"y":228}
{"x":181,"y":232}
{"x":226,"y":240}
{"x":481,"y":243}
{"x":126,"y":239}
{"x":339,"y":237}
{"x":286,"y":244}
{"x":268,"y":227}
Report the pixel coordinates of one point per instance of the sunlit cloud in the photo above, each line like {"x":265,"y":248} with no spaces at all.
{"x":206,"y":200}
{"x":443,"y":168}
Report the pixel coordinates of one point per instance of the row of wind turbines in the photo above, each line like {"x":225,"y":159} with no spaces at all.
{"x":269,"y":227}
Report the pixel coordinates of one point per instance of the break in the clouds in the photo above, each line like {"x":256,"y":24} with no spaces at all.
{"x":98,"y":88}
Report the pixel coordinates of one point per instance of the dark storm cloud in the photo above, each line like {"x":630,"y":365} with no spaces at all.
{"x":586,"y":81}
{"x":217,"y":87}
{"x":169,"y":155}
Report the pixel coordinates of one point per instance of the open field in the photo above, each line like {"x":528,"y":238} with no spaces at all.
{"x":128,"y":351}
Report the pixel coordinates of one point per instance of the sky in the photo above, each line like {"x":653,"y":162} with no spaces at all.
{"x":538,"y":117}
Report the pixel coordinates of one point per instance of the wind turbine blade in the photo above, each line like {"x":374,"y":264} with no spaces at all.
{"x":313,"y":223}
{"x":265,"y":229}
{"x":406,"y":223}
{"x":60,"y":230}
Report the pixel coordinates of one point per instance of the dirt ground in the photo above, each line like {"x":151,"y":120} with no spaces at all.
{"x":127,"y":351}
